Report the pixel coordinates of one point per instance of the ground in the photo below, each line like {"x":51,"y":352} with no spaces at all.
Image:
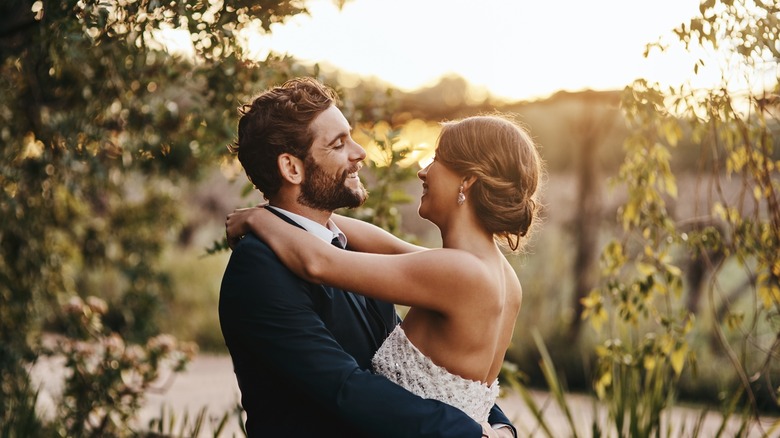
{"x":209,"y":382}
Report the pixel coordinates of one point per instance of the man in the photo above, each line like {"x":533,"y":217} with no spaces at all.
{"x":301,"y":352}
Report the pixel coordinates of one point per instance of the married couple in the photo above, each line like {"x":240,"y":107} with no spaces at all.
{"x":306,"y":300}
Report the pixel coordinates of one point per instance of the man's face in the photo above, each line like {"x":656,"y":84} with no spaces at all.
{"x":331,"y":168}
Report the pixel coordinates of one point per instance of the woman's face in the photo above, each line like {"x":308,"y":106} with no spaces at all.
{"x":440,"y":191}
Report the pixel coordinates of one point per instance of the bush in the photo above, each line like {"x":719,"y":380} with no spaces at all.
{"x":106,"y":378}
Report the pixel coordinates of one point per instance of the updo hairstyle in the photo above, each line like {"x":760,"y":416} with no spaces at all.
{"x":507,"y":167}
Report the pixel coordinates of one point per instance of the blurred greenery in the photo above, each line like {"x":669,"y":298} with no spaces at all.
{"x":660,"y":219}
{"x":101,"y":129}
{"x":646,"y":324}
{"x":107,"y":379}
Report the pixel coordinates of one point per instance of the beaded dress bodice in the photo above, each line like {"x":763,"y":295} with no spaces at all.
{"x":400,"y":361}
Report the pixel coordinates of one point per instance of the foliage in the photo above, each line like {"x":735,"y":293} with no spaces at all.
{"x":647,"y":343}
{"x":98,"y":124}
{"x":641,"y":361}
{"x":22,"y":398}
{"x":389,"y":169}
{"x":515,"y":379}
{"x":599,"y":425}
{"x":168,"y":425}
{"x":106,"y":378}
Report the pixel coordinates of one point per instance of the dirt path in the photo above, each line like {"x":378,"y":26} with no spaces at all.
{"x":209,"y":382}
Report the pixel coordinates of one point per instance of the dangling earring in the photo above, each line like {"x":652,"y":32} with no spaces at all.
{"x":461,"y":196}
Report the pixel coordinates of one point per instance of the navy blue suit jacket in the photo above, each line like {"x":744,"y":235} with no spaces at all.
{"x":302,"y":352}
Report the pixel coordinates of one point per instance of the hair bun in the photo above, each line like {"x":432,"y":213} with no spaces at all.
{"x":507,"y":167}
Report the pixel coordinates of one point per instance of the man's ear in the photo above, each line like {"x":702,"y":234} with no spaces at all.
{"x":291,"y":168}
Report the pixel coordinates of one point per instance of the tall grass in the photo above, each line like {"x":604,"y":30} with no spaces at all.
{"x":619,"y":417}
{"x":170,"y":425}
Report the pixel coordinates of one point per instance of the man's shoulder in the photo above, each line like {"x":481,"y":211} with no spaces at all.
{"x":253,"y":264}
{"x":253,"y":257}
{"x":249,"y":240}
{"x":251,"y":244}
{"x":252,"y":251}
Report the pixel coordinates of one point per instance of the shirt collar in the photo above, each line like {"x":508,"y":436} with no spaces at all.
{"x":325,"y":233}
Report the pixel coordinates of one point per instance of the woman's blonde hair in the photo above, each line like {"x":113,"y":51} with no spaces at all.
{"x":504,"y":160}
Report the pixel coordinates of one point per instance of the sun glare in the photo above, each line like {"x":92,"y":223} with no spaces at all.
{"x":511,"y":49}
{"x":176,"y":41}
{"x":515,"y":50}
{"x":417,"y":137}
{"x":255,"y":43}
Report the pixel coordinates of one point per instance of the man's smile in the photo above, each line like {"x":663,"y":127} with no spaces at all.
{"x":354,"y":173}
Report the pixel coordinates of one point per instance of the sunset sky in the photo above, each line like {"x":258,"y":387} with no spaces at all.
{"x":516,"y":49}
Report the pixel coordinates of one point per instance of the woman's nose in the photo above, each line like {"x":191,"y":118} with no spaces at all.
{"x":422,"y":173}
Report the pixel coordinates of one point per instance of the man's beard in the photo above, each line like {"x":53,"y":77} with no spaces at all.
{"x":328,"y":192}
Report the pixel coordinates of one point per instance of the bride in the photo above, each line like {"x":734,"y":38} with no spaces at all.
{"x":464,"y":298}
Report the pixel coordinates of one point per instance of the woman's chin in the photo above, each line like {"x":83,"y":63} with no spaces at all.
{"x":421,"y":211}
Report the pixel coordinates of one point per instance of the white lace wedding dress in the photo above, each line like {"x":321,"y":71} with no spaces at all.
{"x":400,"y":361}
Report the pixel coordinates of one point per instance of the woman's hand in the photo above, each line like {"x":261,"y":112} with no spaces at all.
{"x":488,"y":431}
{"x":237,"y":224}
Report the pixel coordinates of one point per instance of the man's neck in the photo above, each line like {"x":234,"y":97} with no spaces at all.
{"x":319,"y":216}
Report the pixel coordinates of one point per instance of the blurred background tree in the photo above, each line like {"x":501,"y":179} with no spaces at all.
{"x":697,"y":281}
{"x":102,"y":129}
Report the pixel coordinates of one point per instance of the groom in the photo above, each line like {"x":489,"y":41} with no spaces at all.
{"x":301,"y":352}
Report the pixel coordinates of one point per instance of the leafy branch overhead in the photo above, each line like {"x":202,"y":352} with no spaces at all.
{"x":101,"y":130}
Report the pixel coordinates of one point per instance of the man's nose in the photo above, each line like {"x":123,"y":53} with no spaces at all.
{"x":357,"y":153}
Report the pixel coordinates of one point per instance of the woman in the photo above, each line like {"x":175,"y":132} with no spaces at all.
{"x":464,"y":298}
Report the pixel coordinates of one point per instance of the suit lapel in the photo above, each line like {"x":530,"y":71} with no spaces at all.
{"x":358,"y":303}
{"x":360,"y":311}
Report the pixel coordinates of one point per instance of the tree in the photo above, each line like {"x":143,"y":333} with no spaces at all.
{"x":588,"y":133}
{"x":98,"y":124}
{"x":735,"y":128}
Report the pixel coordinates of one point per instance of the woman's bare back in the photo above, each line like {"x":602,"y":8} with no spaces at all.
{"x":471,"y":342}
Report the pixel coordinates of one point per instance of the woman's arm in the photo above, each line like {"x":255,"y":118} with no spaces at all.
{"x":272,"y":326}
{"x":437,"y":279}
{"x":362,"y":236}
{"x":365,"y":237}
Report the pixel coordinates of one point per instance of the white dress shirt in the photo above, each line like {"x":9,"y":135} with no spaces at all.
{"x":325,"y":233}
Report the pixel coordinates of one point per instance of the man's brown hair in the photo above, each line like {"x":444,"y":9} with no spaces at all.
{"x":277,"y":122}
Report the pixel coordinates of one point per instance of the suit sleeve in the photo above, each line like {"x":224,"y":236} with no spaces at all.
{"x":275,"y":311}
{"x":497,"y":416}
